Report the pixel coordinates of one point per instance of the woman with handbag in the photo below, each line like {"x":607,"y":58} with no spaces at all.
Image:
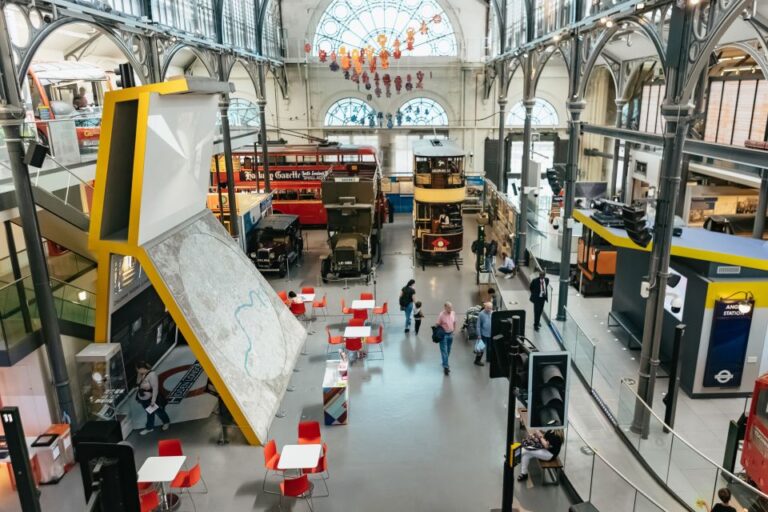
{"x":149,"y":396}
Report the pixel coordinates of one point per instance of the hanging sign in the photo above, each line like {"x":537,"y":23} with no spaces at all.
{"x":728,"y":339}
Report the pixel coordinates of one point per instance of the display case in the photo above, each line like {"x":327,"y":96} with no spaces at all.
{"x":101,"y":374}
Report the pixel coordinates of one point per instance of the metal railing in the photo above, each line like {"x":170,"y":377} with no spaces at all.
{"x":54,"y":187}
{"x":689,"y":473}
{"x":599,"y":482}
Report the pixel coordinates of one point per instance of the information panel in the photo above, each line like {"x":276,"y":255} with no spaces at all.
{"x":728,"y":340}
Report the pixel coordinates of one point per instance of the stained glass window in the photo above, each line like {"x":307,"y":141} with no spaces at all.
{"x":242,"y":112}
{"x":350,"y":112}
{"x":543,"y":114}
{"x":423,"y":112}
{"x":358,"y":24}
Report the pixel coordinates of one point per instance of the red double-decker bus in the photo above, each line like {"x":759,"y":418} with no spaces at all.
{"x":295,"y":171}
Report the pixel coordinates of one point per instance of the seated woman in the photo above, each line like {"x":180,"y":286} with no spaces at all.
{"x":292,"y":297}
{"x":539,"y":446}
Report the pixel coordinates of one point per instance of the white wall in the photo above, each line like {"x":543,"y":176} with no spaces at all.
{"x":26,"y":385}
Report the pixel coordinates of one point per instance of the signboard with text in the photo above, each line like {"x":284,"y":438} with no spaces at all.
{"x":728,"y":339}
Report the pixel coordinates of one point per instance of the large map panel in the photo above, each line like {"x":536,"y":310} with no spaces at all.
{"x":246,"y":331}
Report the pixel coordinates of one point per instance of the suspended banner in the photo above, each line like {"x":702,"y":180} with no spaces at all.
{"x":728,"y":339}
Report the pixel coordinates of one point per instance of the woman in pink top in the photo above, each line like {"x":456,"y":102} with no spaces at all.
{"x":446,"y":320}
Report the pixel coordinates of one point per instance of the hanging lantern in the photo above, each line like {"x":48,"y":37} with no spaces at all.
{"x":387,"y":84}
{"x":323,"y":55}
{"x":377,"y":91}
{"x":420,"y":79}
{"x":355,"y":78}
{"x":398,"y":83}
{"x":368,"y":86}
{"x":437,"y":19}
{"x":346,"y":74}
{"x":334,"y":65}
{"x":372,"y":120}
{"x":408,"y":83}
{"x":410,"y":36}
{"x":361,"y":56}
{"x":372,"y":64}
{"x":307,"y":47}
{"x":357,"y":62}
{"x":346,"y":62}
{"x":424,"y":29}
{"x":333,"y":56}
{"x":382,"y":40}
{"x":369,"y":53}
{"x":390,"y":124}
{"x":399,"y":117}
{"x":384,"y":56}
{"x":396,"y":53}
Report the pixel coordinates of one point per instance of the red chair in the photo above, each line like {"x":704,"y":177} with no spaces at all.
{"x":296,"y":488}
{"x":332,"y":340}
{"x":381,"y":311}
{"x":366,"y":296}
{"x":360,"y":313}
{"x":185,"y":480}
{"x":283,"y":296}
{"x":356,"y":322}
{"x":344,"y":309}
{"x":377,"y":340}
{"x":169,"y":448}
{"x":271,"y":460}
{"x":309,"y":432}
{"x":322,"y":470}
{"x":353,"y":344}
{"x":308,"y":290}
{"x":172,"y":448}
{"x":321,"y":304}
{"x":299,"y":310}
{"x":149,"y":501}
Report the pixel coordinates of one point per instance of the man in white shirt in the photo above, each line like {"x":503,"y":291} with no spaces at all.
{"x":508,"y":267}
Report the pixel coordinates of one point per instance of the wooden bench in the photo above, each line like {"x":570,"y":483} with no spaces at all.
{"x":548,"y":467}
{"x":620,"y":320}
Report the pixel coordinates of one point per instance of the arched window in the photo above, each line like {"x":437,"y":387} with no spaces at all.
{"x":543,"y":114}
{"x":358,"y":23}
{"x":423,"y":112}
{"x":242,"y":112}
{"x":349,"y":112}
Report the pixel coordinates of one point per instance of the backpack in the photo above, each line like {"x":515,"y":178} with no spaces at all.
{"x":403,"y":299}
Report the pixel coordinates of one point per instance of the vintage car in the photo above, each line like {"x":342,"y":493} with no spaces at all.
{"x":276,"y":243}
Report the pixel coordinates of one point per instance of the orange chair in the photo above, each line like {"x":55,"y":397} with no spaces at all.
{"x":366,"y":296}
{"x":360,"y":313}
{"x":322,"y":470}
{"x":332,"y":340}
{"x":353,"y":344}
{"x":321,"y":304}
{"x":377,"y":340}
{"x":283,"y":296}
{"x":299,"y":310}
{"x":185,"y":480}
{"x":271,"y":460}
{"x":296,"y":488}
{"x":381,"y":311}
{"x":344,"y":309}
{"x":309,"y":432}
{"x":149,"y":501}
{"x":308,"y":290}
{"x":356,"y":322}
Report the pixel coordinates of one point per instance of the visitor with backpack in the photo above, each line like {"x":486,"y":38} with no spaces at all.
{"x":490,"y":255}
{"x":406,"y":302}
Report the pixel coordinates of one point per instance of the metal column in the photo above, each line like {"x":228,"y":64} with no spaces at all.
{"x":575,"y":108}
{"x":678,"y":121}
{"x":522,"y":224}
{"x":616,"y":148}
{"x":13,"y":255}
{"x":262,"y":102}
{"x":762,"y":204}
{"x":12,"y":119}
{"x":234,"y":229}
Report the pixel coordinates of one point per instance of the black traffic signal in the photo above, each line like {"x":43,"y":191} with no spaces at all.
{"x":125,"y":76}
{"x":501,"y":339}
{"x":553,"y":177}
{"x":635,"y":225}
{"x":548,"y":388}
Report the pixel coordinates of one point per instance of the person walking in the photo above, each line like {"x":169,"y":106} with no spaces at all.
{"x":490,"y":255}
{"x":539,"y":446}
{"x":507,"y":266}
{"x":493,"y":299}
{"x":484,"y":332}
{"x":406,"y":302}
{"x":724,"y":506}
{"x":149,"y":396}
{"x":446,"y":320}
{"x":418,"y":315}
{"x":539,"y":297}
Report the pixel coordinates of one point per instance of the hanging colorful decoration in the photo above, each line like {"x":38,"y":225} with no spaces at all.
{"x":410,"y":37}
{"x":323,"y":55}
{"x":356,"y":62}
{"x":366,"y":81}
{"x":387,"y":84}
{"x":390,"y":124}
{"x":419,"y":79}
{"x":384,"y":56}
{"x":372,"y":64}
{"x":382,"y":40}
{"x":424,"y":29}
{"x":307,"y":47}
{"x":408,"y":83}
{"x":398,"y":83}
{"x":346,"y":60}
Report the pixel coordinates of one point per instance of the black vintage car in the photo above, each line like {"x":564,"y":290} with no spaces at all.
{"x":275,"y":243}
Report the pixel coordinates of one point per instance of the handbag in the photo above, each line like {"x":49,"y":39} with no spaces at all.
{"x":438,"y":333}
{"x":479,"y":345}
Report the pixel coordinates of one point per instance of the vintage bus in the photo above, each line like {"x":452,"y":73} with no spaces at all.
{"x":439,"y":190}
{"x":296,"y":172}
{"x":71,"y":91}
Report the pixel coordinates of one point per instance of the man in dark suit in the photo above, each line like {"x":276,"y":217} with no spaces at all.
{"x":539,"y":296}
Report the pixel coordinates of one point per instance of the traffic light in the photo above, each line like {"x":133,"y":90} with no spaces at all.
{"x":125,"y":73}
{"x":501,"y":339}
{"x":553,"y":177}
{"x":548,"y":388}
{"x":635,"y":225}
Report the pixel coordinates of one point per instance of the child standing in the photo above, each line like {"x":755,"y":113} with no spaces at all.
{"x":417,"y":316}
